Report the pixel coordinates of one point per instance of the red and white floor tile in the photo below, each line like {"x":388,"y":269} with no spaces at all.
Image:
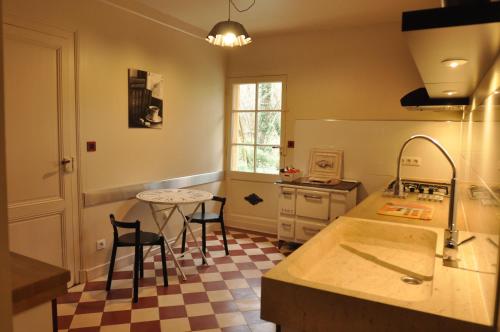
{"x":221,"y":296}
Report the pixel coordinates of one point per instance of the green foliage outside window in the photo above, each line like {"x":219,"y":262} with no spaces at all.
{"x":257,"y":132}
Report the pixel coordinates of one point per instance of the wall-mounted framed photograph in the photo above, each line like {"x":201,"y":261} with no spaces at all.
{"x":145,"y":99}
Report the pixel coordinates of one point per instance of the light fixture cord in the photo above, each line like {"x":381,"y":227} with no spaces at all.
{"x":241,"y":10}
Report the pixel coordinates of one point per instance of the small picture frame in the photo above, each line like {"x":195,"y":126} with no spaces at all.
{"x":325,"y":165}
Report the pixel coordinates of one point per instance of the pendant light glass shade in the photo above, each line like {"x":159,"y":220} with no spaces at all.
{"x":228,"y":34}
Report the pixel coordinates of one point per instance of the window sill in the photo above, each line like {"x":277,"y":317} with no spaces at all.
{"x":253,"y":177}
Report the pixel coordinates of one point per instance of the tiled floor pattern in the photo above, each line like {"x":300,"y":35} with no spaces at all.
{"x":221,"y":296}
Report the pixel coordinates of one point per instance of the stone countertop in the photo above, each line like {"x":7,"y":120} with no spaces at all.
{"x":459,"y":294}
{"x":368,"y":208}
{"x":35,"y":282}
{"x":342,"y":186}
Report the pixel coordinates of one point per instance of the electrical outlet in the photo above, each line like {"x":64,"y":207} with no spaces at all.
{"x":101,"y":244}
{"x":411,"y":161}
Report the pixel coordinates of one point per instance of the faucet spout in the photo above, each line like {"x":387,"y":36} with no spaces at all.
{"x":450,"y":246}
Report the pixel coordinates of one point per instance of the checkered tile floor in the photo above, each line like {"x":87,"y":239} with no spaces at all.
{"x":223,"y":296}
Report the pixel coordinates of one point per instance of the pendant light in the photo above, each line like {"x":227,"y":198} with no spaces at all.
{"x":229,"y":33}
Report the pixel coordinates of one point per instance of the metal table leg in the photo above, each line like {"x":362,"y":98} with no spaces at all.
{"x":161,"y":227}
{"x":185,"y":226}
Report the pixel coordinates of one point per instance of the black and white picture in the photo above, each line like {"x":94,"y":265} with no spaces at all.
{"x":145,"y":99}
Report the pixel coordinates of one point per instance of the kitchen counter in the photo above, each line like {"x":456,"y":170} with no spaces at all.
{"x":35,"y":282}
{"x":462,"y":298}
{"x":368,"y":208}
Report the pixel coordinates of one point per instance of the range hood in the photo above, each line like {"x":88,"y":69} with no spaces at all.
{"x":419,"y":100}
{"x":468,"y":31}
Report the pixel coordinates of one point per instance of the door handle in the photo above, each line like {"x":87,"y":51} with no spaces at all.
{"x":308,"y":230}
{"x":312,"y":197}
{"x":67,"y":164}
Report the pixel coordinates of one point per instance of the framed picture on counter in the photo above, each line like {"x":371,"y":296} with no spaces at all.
{"x":325,"y":165}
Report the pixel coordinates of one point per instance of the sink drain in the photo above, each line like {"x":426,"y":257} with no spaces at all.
{"x":411,"y":280}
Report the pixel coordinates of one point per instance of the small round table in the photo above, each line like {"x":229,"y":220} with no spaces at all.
{"x":173,"y":199}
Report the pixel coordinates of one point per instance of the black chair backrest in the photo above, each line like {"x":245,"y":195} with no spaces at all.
{"x":222,"y":200}
{"x":136,"y":225}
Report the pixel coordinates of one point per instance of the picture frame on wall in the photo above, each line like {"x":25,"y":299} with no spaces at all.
{"x":145,"y":99}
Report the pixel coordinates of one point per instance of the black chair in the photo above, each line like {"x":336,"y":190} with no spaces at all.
{"x":137,"y":239}
{"x":206,"y":217}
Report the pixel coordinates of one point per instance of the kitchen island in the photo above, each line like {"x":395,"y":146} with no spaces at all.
{"x":458,"y":299}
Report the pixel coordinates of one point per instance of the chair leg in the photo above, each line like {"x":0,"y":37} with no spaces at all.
{"x":164,"y":263}
{"x":111,"y":267}
{"x":204,"y":238}
{"x":136,"y":274}
{"x":141,"y":261}
{"x":183,"y":241}
{"x":223,"y":230}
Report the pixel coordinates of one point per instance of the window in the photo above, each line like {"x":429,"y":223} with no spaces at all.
{"x":256,"y":119}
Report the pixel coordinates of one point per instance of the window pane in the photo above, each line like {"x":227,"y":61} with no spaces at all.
{"x":270,"y":96}
{"x":243,"y":127}
{"x":268,"y":160}
{"x":242,"y":158}
{"x":268,"y":128}
{"x":243,"y":97}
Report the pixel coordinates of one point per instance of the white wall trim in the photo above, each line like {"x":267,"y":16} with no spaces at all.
{"x":156,"y":16}
{"x":123,"y":193}
{"x":101,"y":270}
{"x":250,"y":223}
{"x":127,"y":260}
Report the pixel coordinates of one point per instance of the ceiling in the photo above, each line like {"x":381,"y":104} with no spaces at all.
{"x":273,"y":16}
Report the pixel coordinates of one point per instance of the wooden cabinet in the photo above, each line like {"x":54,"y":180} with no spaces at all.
{"x":304,"y":210}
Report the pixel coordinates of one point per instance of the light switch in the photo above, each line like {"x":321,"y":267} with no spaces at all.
{"x":91,"y":146}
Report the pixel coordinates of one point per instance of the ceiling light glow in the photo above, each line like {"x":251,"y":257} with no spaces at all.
{"x":450,"y":92}
{"x":454,"y":63}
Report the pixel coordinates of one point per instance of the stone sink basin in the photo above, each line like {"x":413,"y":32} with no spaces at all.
{"x":371,"y":258}
{"x":348,"y":278}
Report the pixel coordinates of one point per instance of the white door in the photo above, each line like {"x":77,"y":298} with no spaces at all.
{"x":40,"y":145}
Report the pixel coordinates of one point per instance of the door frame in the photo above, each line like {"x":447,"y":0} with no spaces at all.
{"x":77,"y":202}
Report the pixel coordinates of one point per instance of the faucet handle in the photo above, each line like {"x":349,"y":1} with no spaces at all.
{"x":450,"y":247}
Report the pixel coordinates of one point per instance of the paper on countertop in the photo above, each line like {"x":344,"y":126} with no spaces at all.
{"x":407,"y":210}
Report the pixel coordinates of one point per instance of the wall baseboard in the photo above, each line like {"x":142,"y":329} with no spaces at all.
{"x":127,"y":260}
{"x":250,"y":223}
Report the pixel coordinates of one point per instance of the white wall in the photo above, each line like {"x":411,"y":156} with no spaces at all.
{"x":371,"y":148}
{"x":344,"y":74}
{"x":480,"y":156}
{"x":109,"y":41}
{"x":351,"y":74}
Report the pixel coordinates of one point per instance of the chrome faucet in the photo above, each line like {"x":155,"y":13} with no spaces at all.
{"x":450,"y":246}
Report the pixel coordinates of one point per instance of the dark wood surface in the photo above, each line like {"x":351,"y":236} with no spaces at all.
{"x":343,"y":185}
{"x":35,"y":282}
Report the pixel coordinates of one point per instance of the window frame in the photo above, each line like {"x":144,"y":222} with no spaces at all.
{"x":265,"y":177}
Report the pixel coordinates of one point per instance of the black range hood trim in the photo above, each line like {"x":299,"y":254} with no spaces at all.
{"x":420,"y":97}
{"x":451,"y":16}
